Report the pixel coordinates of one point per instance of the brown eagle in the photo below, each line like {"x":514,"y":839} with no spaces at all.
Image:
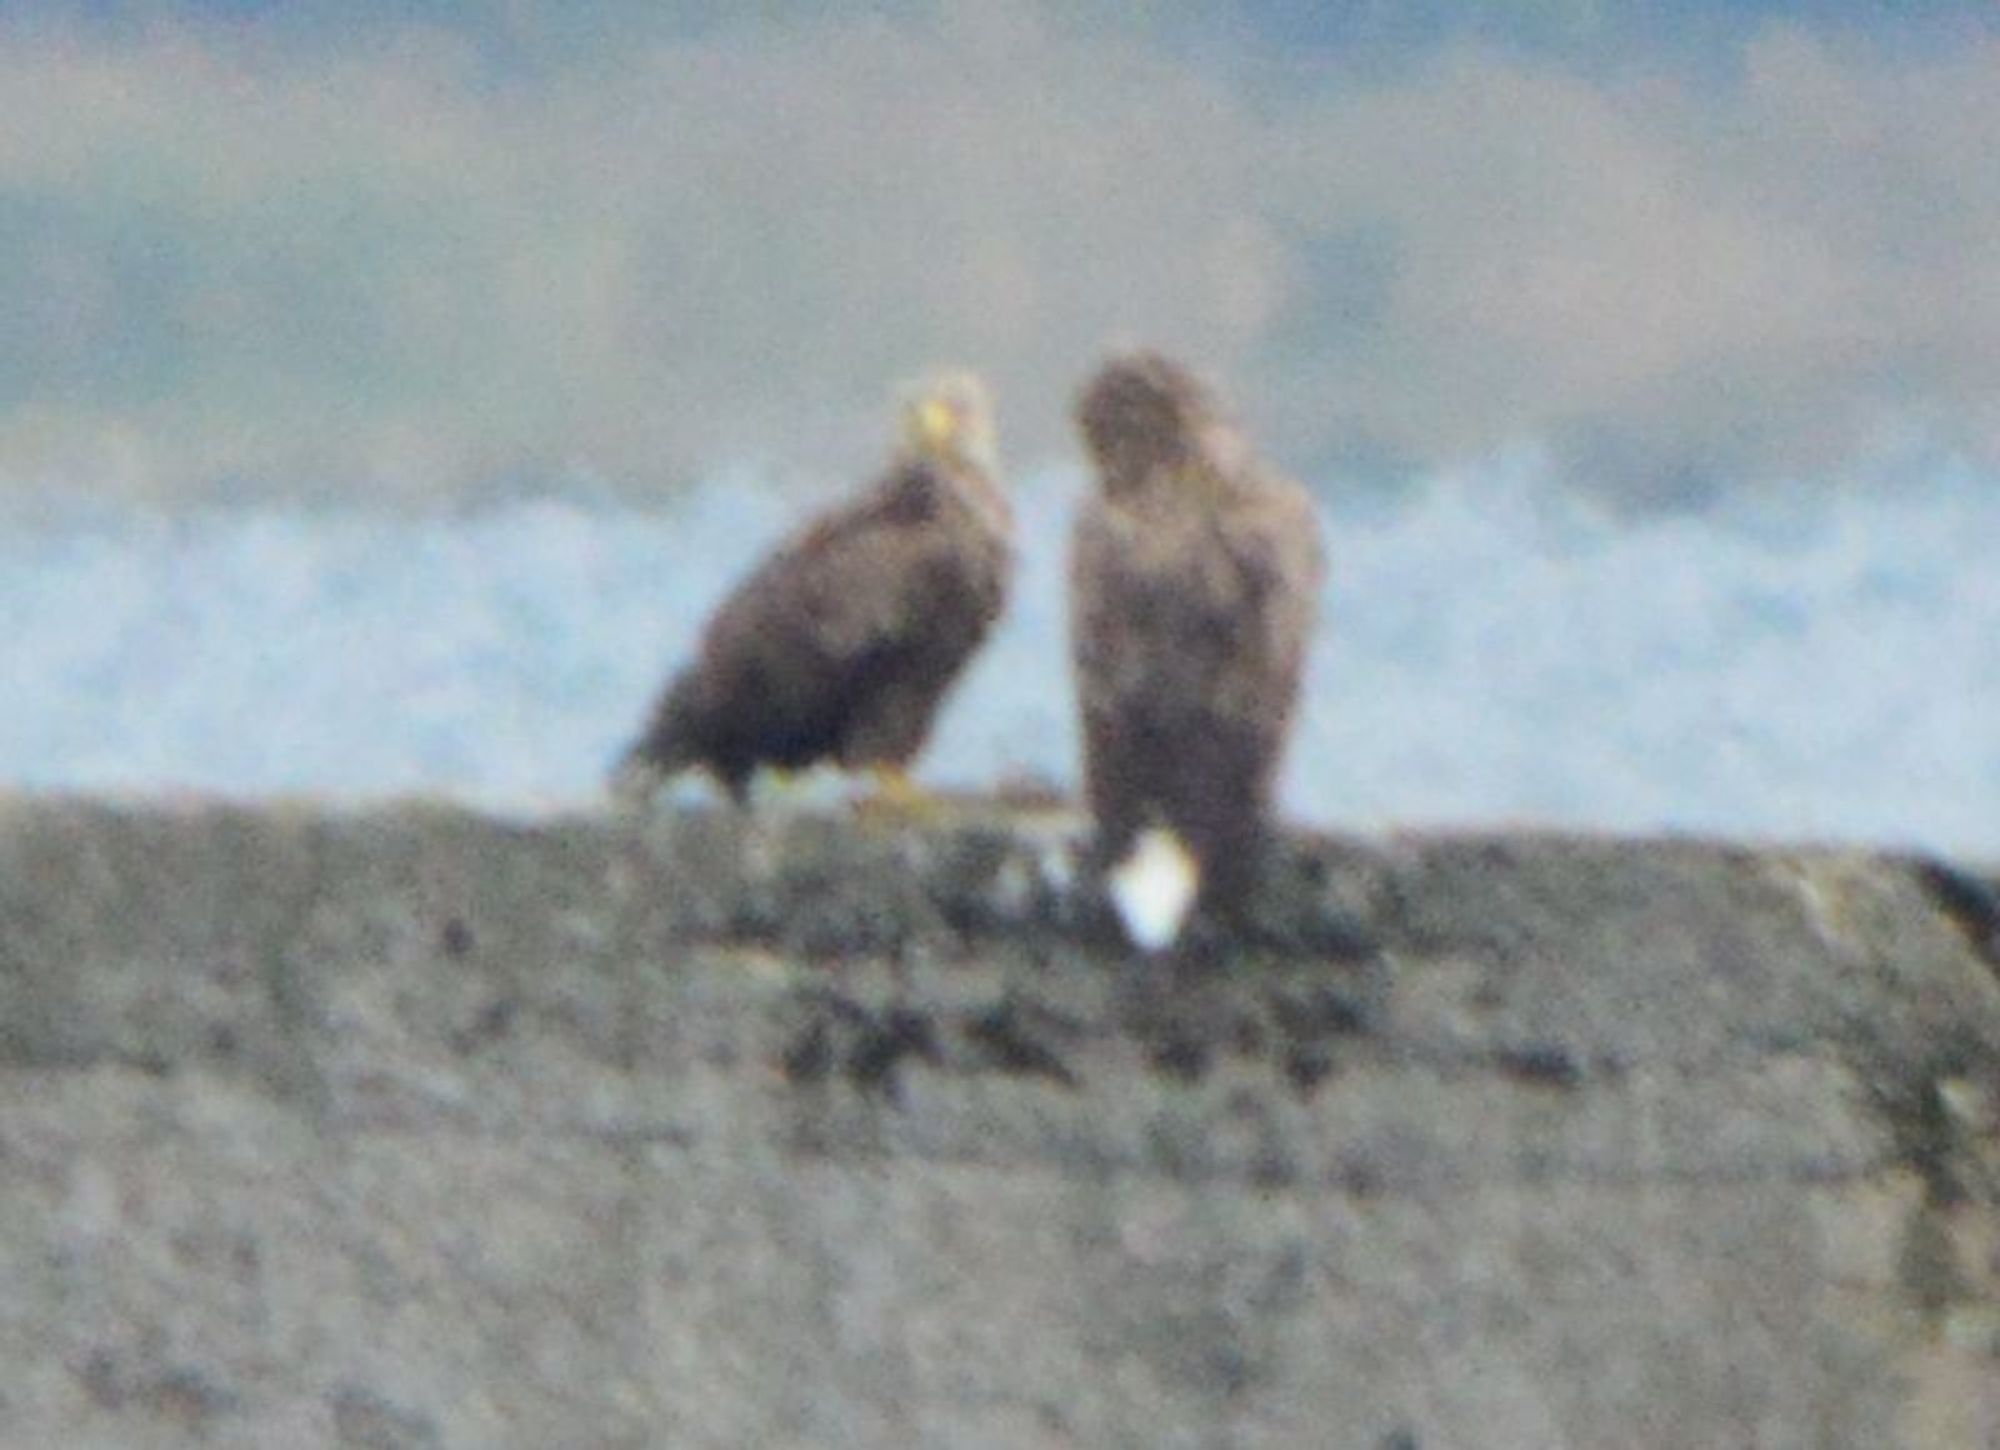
{"x":842,"y":644}
{"x":1195,"y":573}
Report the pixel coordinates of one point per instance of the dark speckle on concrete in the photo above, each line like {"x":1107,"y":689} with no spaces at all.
{"x":364,"y":1420}
{"x":489,"y":1024}
{"x":1545,"y":1064}
{"x":1019,"y":1038}
{"x":869,"y":1045}
{"x":1180,"y":1056}
{"x":808,"y":1057}
{"x":885,"y":1043}
{"x":455,"y":937}
{"x":1307,"y":1065}
{"x":118,"y":1381}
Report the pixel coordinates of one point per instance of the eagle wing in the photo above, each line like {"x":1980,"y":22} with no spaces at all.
{"x":1274,"y":540}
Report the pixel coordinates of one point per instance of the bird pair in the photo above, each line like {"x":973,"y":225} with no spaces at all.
{"x":1194,"y":577}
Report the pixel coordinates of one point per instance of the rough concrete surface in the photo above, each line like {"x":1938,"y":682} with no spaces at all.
{"x":414,"y":1128}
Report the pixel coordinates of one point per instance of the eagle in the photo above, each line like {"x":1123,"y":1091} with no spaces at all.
{"x":843,"y":643}
{"x":1195,"y":573}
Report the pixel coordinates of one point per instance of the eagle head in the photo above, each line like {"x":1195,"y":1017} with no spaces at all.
{"x":1143,"y":415}
{"x":948,"y":419}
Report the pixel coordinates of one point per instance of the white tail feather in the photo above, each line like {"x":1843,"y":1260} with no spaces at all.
{"x":1154,"y":888}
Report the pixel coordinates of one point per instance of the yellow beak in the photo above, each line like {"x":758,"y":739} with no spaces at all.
{"x":937,"y":422}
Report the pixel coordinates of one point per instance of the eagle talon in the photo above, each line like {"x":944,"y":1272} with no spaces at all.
{"x":897,"y":797}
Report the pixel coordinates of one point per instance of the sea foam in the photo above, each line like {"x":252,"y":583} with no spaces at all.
{"x":1787,"y":663}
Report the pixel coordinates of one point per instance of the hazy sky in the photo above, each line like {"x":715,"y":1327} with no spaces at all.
{"x":425,"y":246}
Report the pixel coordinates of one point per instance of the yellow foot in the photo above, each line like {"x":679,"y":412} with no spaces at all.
{"x":787,"y":791}
{"x":773,"y":783}
{"x":897,"y":797}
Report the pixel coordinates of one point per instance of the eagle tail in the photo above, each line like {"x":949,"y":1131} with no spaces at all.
{"x":664,"y":749}
{"x":1154,"y":887}
{"x":635,"y":780}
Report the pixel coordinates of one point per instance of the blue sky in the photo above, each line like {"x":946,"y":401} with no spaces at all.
{"x":1320,"y":27}
{"x":425,"y":247}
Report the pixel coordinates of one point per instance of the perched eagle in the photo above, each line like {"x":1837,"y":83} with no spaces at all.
{"x":842,"y":644}
{"x":1195,"y":573}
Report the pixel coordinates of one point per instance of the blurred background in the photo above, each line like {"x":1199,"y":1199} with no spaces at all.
{"x":387,"y":390}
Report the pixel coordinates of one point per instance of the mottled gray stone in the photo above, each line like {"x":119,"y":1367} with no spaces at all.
{"x":408,"y":1127}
